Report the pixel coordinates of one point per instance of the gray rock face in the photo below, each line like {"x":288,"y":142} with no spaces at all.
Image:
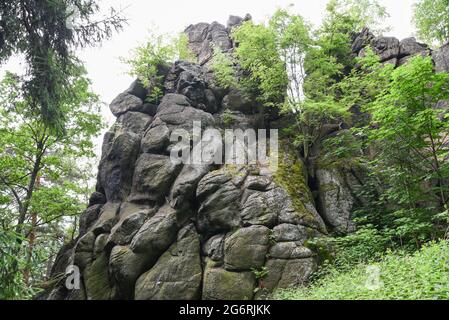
{"x":235,"y":101}
{"x":135,"y":122}
{"x":361,"y":40}
{"x":336,"y":201}
{"x":220,"y":284}
{"x":177,"y":274}
{"x":246,"y":248}
{"x":125,"y":102}
{"x":441,"y":59}
{"x":386,"y":48}
{"x":153,"y":177}
{"x":159,"y":229}
{"x":203,"y":36}
{"x":410,"y":46}
{"x":117,"y":164}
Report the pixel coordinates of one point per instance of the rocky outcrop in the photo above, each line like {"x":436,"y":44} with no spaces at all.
{"x":158,"y":229}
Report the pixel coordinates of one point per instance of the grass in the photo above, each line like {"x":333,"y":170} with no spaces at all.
{"x":423,"y":275}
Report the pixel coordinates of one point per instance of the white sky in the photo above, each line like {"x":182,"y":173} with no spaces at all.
{"x":108,"y":74}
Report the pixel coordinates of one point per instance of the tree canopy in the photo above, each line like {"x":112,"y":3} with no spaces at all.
{"x":46,"y":33}
{"x":431,"y":18}
{"x":44,"y":179}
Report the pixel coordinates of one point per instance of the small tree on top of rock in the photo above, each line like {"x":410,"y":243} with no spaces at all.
{"x":158,"y":51}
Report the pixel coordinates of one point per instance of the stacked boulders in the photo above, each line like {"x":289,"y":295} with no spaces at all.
{"x":157,"y":229}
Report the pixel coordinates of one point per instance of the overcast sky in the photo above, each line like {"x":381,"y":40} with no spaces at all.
{"x":108,"y":74}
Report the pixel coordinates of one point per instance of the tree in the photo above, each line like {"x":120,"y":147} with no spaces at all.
{"x":157,"y":52}
{"x":431,"y":18}
{"x":414,"y":133}
{"x":404,"y":147}
{"x":47,"y":32}
{"x":43,"y":177}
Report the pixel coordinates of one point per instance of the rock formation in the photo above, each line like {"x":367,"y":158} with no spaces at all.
{"x":155,"y":229}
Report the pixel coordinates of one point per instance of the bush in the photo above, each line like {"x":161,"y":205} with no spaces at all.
{"x":423,"y":275}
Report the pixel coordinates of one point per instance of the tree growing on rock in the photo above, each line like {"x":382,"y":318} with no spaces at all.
{"x":295,"y":70}
{"x":149,"y":59}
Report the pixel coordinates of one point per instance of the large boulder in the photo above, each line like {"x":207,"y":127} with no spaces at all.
{"x":246,"y":248}
{"x":219,"y":198}
{"x":386,"y":48}
{"x":177,"y":274}
{"x":135,"y":122}
{"x":117,"y":164}
{"x":125,"y":102}
{"x":441,"y":59}
{"x":153,"y":177}
{"x":220,"y":284}
{"x":410,"y":46}
{"x":335,"y":201}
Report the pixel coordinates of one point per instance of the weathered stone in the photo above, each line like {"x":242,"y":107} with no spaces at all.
{"x":220,"y":210}
{"x":117,"y":165}
{"x":236,"y":101}
{"x":256,"y":211}
{"x":177,"y":274}
{"x":173,"y":99}
{"x":410,"y":46}
{"x":137,"y":89}
{"x":386,"y":48}
{"x":157,"y":138}
{"x":126,"y":229}
{"x":182,"y":117}
{"x":89,"y":217}
{"x":202,"y":36}
{"x":153,"y":177}
{"x":145,"y":94}
{"x":157,"y":234}
{"x":97,"y":281}
{"x":108,"y":218}
{"x":211,"y":183}
{"x":77,"y":294}
{"x":289,"y":250}
{"x":125,"y":102}
{"x":100,"y":244}
{"x":210,"y":101}
{"x":184,"y":187}
{"x":246,"y":248}
{"x":362,"y":40}
{"x":153,"y":225}
{"x":335,"y":200}
{"x":259,"y":183}
{"x":126,"y":266}
{"x":219,"y":284}
{"x":214,"y":247}
{"x":97,"y":198}
{"x":441,"y":59}
{"x":84,"y":251}
{"x":234,"y":21}
{"x":136,"y":122}
{"x":283,"y":274}
{"x":404,"y":60}
{"x":303,"y":213}
{"x":290,"y":232}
